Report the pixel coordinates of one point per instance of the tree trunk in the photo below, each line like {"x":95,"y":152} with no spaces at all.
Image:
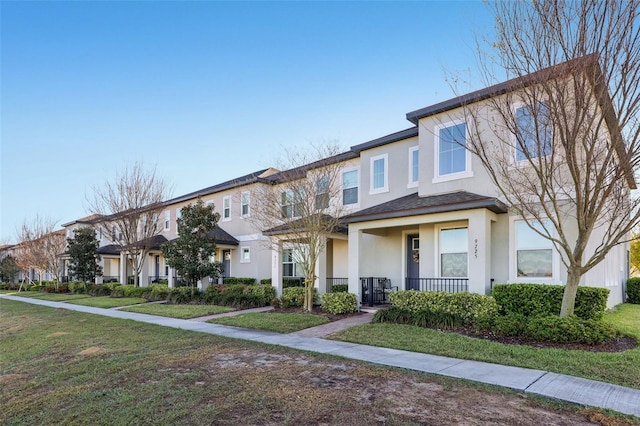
{"x":308,"y":299}
{"x":570,"y":291}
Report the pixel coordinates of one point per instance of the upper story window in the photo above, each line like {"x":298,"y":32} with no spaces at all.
{"x":350,"y":187}
{"x":245,"y":201}
{"x":533,"y":138}
{"x":322,"y":192}
{"x":414,"y":166}
{"x":100,"y":233}
{"x":534,"y":253}
{"x":167,"y":220}
{"x":454,"y":248}
{"x":379,"y":174}
{"x":113,"y":234}
{"x":291,"y":204}
{"x":452,"y":158}
{"x":245,"y":255}
{"x":226,"y":208}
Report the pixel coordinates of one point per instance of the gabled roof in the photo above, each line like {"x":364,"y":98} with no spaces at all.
{"x":110,"y":249}
{"x":84,"y":220}
{"x":223,"y":237}
{"x":393,"y":137}
{"x":412,"y":205}
{"x":300,"y":172}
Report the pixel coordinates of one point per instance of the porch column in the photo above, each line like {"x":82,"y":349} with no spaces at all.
{"x":276,"y":267}
{"x":123,"y":268}
{"x":321,"y":271}
{"x":354,"y":262}
{"x":143,"y":279}
{"x":480,"y":252}
{"x":170,"y":282}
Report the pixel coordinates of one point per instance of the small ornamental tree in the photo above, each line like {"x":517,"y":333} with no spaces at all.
{"x":83,"y":251}
{"x":190,"y":254}
{"x":8,"y":269}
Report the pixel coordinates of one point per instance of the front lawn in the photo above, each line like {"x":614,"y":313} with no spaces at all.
{"x":52,"y":297}
{"x":278,"y":322}
{"x":179,"y":311}
{"x":60,"y":367}
{"x":109,"y":302}
{"x":622,"y":368}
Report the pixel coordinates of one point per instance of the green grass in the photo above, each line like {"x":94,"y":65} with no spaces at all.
{"x":53,"y":297}
{"x":178,"y":311}
{"x":109,"y":302}
{"x":622,"y":368}
{"x":60,"y":367}
{"x":278,"y":322}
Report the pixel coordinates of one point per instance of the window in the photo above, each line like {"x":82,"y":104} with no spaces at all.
{"x":533,"y":138}
{"x":291,"y":204}
{"x":226,"y":208}
{"x":245,"y":255}
{"x":178,"y":214}
{"x":113,"y":234}
{"x":350,"y":187}
{"x":100,"y":233}
{"x":167,"y":220}
{"x":379,"y":174}
{"x":414,"y":168}
{"x":452,"y":161}
{"x":534,"y":253}
{"x":454,"y":244}
{"x":289,"y":266}
{"x":322,"y":192}
{"x":245,"y":200}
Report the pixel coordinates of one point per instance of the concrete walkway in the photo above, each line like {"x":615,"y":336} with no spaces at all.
{"x":557,"y":386}
{"x":232,"y":313}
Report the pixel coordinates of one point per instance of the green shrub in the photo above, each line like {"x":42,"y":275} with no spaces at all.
{"x":467,"y":308}
{"x":129,"y":290}
{"x":633,"y":290}
{"x":571,"y":329}
{"x":420,"y":318}
{"x":339,"y":303}
{"x":158,"y":292}
{"x":543,"y":299}
{"x":340,"y":288}
{"x":265,"y":281}
{"x":293,"y":297}
{"x":184,"y":295}
{"x":234,"y":280}
{"x":240,"y":296}
{"x":100,"y":289}
{"x":292,"y":282}
{"x":508,"y":325}
{"x":76,"y":287}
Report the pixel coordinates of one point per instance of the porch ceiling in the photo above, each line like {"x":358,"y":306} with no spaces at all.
{"x":412,"y":205}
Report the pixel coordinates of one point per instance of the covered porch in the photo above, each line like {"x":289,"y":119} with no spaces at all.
{"x":435,"y":243}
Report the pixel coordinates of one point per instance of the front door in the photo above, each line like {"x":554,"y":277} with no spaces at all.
{"x":226,"y":261}
{"x":413,"y":262}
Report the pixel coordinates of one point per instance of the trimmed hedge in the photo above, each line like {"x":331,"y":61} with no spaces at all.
{"x":339,"y":303}
{"x":468,"y":308}
{"x":340,"y":288}
{"x":543,"y":299}
{"x":240,"y":296}
{"x":265,"y":281}
{"x":293,"y":297}
{"x":633,"y":290}
{"x":292,"y":282}
{"x":236,"y":280}
{"x":571,"y":329}
{"x":420,"y":318}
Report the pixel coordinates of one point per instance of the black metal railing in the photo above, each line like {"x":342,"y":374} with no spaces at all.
{"x":110,"y":279}
{"x":375,"y":290}
{"x":449,"y":285}
{"x":158,"y":279}
{"x":336,"y":281}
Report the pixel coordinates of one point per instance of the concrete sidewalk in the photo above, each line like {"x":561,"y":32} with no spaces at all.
{"x":557,"y":386}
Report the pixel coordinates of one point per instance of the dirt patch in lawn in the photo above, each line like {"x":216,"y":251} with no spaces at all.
{"x":8,"y":378}
{"x":301,"y":389}
{"x":93,"y":350}
{"x":59,"y":333}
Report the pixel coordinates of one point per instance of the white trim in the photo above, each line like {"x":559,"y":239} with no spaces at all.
{"x":385,"y":187}
{"x":242,"y":254}
{"x":413,"y":183}
{"x":468,"y":172}
{"x":514,"y":139}
{"x":513,"y":263}
{"x":248,"y":203}
{"x":167,"y":220}
{"x":224,"y":208}
{"x":436,"y":240}
{"x":358,"y":187}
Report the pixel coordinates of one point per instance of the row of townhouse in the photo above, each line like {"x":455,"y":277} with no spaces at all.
{"x":421,"y":213}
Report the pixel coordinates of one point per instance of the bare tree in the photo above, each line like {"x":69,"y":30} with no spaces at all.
{"x":39,"y":247}
{"x":131,"y":204}
{"x":564,"y":160}
{"x":302,"y":207}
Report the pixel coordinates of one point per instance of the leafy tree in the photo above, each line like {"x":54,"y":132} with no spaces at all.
{"x":190,"y":254}
{"x":574,"y":67}
{"x":83,"y":250}
{"x":8,"y":269}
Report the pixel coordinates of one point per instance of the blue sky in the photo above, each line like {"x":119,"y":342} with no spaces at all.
{"x":207,"y":91}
